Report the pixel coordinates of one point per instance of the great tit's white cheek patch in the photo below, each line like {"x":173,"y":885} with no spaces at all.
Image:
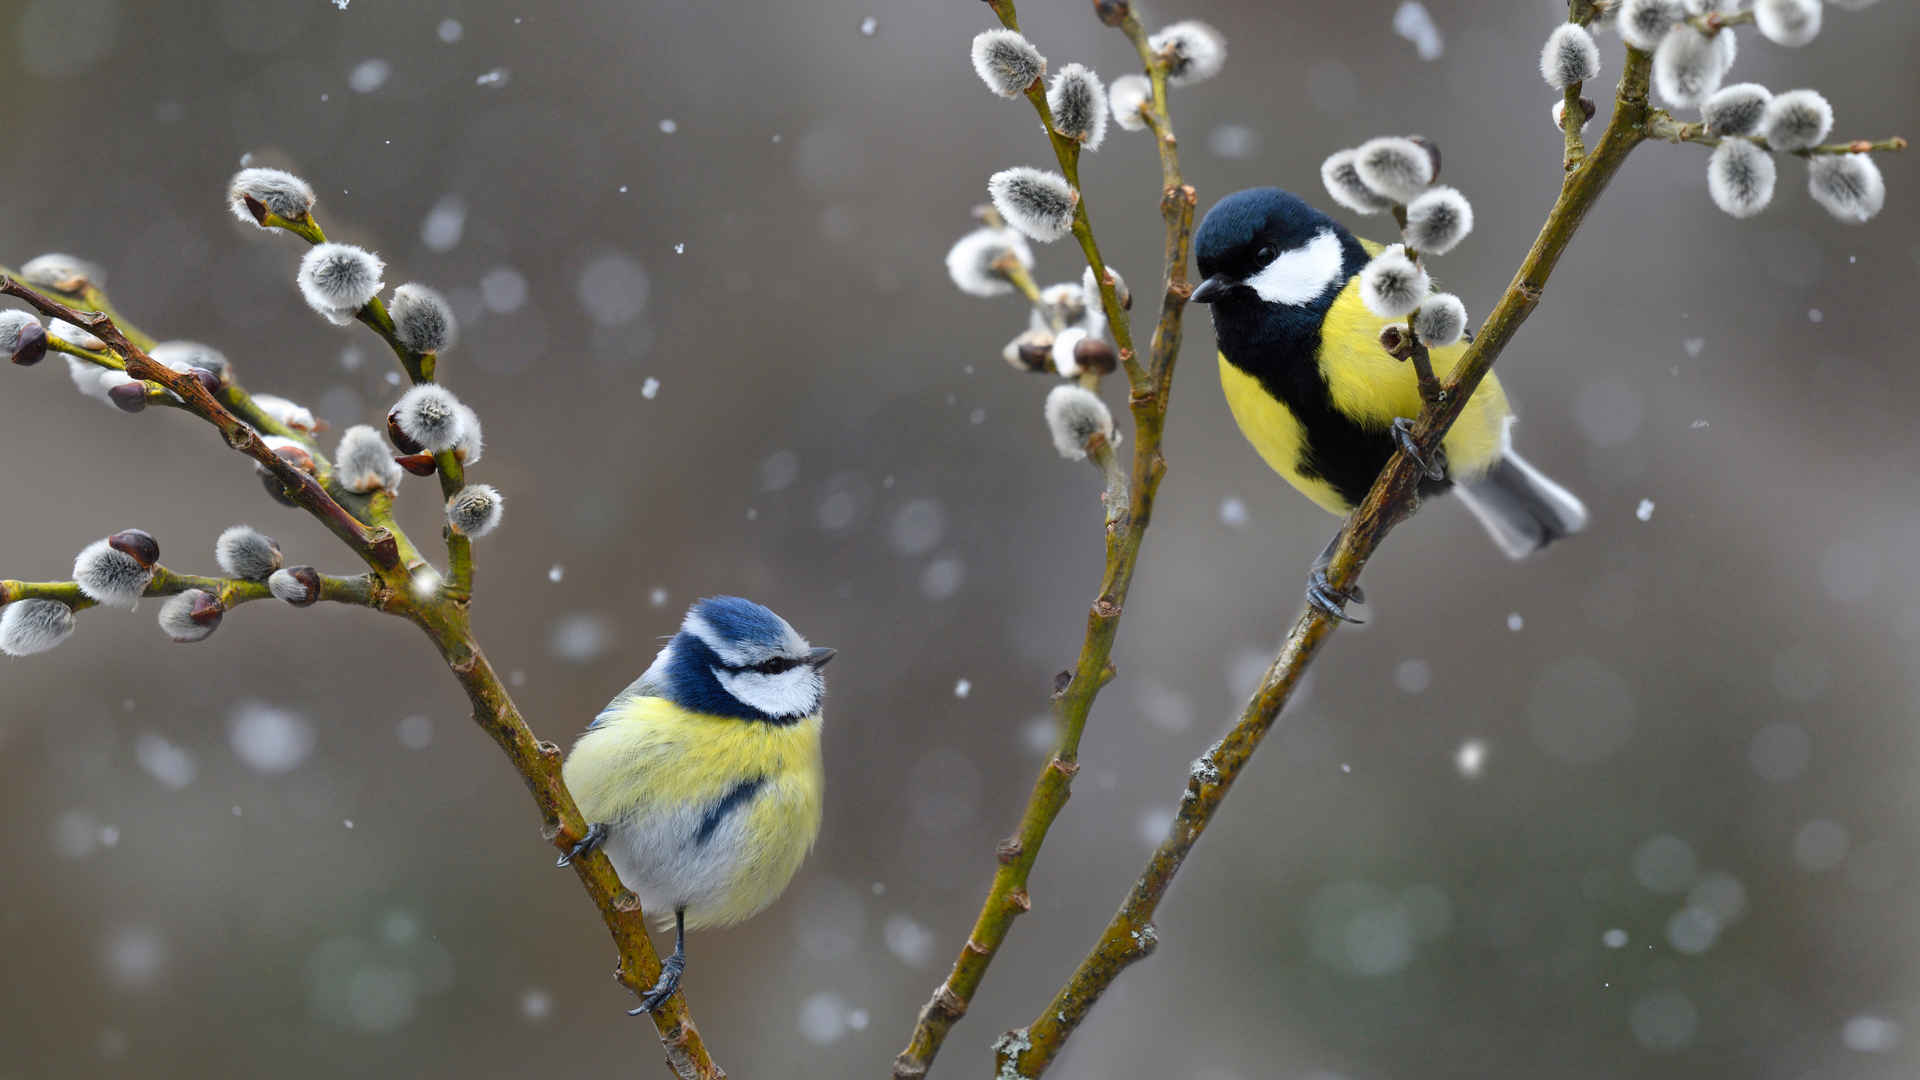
{"x":784,"y":695}
{"x":1302,"y":275}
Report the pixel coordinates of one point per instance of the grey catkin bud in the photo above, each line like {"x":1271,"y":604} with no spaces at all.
{"x":472,"y":440}
{"x":111,"y":576}
{"x":973,"y":261}
{"x":1079,"y":105}
{"x":1569,"y":56}
{"x":430,"y":415}
{"x":1343,"y":182}
{"x":278,"y":191}
{"x":1441,"y":320}
{"x":291,"y":414}
{"x":74,"y":335}
{"x":1062,"y":305}
{"x":247,"y":553}
{"x":191,"y":616}
{"x":22,"y":339}
{"x":1007,"y":62}
{"x":1688,"y":65}
{"x":1438,"y":219}
{"x":1393,"y":285}
{"x":1796,"y":120}
{"x":422,"y":319}
{"x":362,"y":463}
{"x":1130,"y":96}
{"x":1394,"y":167}
{"x":475,"y":510}
{"x":1788,"y":22}
{"x":1032,"y":350}
{"x":34,"y":626}
{"x":1849,"y":186}
{"x":1740,"y":177}
{"x":1643,"y":23}
{"x":338,"y":279}
{"x":1735,"y":110}
{"x":1195,"y":51}
{"x":1074,"y":416}
{"x":297,"y":585}
{"x":1064,"y":361}
{"x":61,"y":272}
{"x":1036,"y":202}
{"x":1092,"y":289}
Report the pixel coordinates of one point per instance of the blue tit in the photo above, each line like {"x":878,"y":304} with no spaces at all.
{"x":1325,"y":405}
{"x":703,"y":778}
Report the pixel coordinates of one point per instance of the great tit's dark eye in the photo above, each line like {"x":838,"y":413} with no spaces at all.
{"x":1266,"y":253}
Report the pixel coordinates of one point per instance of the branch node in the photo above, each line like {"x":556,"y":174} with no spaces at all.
{"x":625,"y":901}
{"x":948,"y":1002}
{"x":1020,"y":901}
{"x":1060,"y":684}
{"x":1106,"y":608}
{"x":1064,"y":767}
{"x":548,"y":750}
{"x":1008,"y":851}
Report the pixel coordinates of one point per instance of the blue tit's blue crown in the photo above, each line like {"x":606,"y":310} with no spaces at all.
{"x":737,"y":620}
{"x":735,"y":658}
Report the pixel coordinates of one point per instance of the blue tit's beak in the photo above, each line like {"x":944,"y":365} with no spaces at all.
{"x":1212,"y":289}
{"x":819,"y":657}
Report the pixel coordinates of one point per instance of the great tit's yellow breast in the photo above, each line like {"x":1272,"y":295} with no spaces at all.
{"x":1275,"y":432}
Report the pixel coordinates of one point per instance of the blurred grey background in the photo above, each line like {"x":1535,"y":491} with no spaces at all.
{"x":1643,"y":807}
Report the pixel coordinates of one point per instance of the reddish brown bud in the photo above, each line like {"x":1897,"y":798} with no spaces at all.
{"x":208,"y":381}
{"x":32,"y":347}
{"x":1112,"y":12}
{"x":399,"y":438}
{"x":417,"y":464}
{"x":1061,"y":681}
{"x":275,"y":488}
{"x":307,"y":582}
{"x":1095,"y":355}
{"x":137,"y":544}
{"x":1586,"y":109}
{"x":257,"y":208}
{"x":1031,"y":351}
{"x":1396,"y":340}
{"x":129,"y":397}
{"x":297,"y":456}
{"x":207,"y":609}
{"x":1433,"y":151}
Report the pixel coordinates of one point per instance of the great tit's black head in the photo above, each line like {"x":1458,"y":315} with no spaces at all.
{"x":1265,"y":244}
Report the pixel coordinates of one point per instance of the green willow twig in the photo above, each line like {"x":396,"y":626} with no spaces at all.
{"x":1661,"y":125}
{"x":231,"y":592}
{"x":1129,"y":510}
{"x":1130,"y":935}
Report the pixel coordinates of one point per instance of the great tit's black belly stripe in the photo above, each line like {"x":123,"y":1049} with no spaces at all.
{"x":734,"y":799}
{"x":1279,"y":347}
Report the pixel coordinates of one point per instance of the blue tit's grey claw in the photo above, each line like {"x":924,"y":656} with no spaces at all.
{"x":596,"y":835}
{"x":670,"y":969}
{"x":1435,"y":469}
{"x":1329,"y":601}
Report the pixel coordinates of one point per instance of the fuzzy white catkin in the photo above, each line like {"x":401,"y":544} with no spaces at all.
{"x":13,"y":322}
{"x":1788,"y":22}
{"x":472,"y":440}
{"x":970,"y":262}
{"x":1092,"y":290}
{"x":1079,"y":105}
{"x":430,"y":415}
{"x":1438,"y":219}
{"x":1036,"y":202}
{"x":73,"y":335}
{"x":110,"y":576}
{"x":1569,"y":56}
{"x":422,"y":319}
{"x":1735,"y":110}
{"x":475,"y":510}
{"x":1394,"y":167}
{"x":34,"y":626}
{"x":87,"y":378}
{"x":1849,"y":186}
{"x":1075,"y":415}
{"x":1441,"y":320}
{"x":246,"y":553}
{"x":183,"y":356}
{"x":281,"y":192}
{"x":291,"y":414}
{"x":338,"y":279}
{"x":1128,"y":95}
{"x":1064,"y":362}
{"x":60,"y":272}
{"x":1796,"y":120}
{"x":1343,"y":183}
{"x":1063,"y":304}
{"x":1740,"y":177}
{"x":363,"y":463}
{"x":177,"y":621}
{"x":1643,"y":23}
{"x":1392,"y":285}
{"x":1007,"y":62}
{"x":1197,"y":51}
{"x":1688,"y":65}
{"x":286,"y":585}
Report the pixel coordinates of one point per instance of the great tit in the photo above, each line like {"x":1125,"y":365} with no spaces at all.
{"x":1323,"y":402}
{"x":703,"y":778}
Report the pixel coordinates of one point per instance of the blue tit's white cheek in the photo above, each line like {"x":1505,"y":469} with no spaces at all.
{"x":1303,"y":274}
{"x":786,"y":695}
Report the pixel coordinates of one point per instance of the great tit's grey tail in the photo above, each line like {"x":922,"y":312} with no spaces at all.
{"x":1520,"y":508}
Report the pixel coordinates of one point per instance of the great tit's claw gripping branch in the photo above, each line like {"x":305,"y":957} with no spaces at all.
{"x":1150,"y":386}
{"x":364,"y":524}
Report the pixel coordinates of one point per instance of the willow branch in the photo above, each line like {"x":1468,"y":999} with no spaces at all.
{"x":1130,"y":935}
{"x":231,"y":592}
{"x":1126,"y":522}
{"x":1662,"y":126}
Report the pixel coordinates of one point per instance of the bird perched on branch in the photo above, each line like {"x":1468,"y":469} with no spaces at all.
{"x":703,"y":778}
{"x":1324,"y":403}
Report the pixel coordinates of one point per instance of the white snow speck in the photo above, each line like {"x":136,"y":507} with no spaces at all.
{"x":1233,"y":512}
{"x":267,"y":738}
{"x":444,"y":223}
{"x":494,"y":79}
{"x":1820,"y":845}
{"x":680,"y":249}
{"x":503,"y":290}
{"x":823,"y":1018}
{"x":650,"y":389}
{"x":908,"y":941}
{"x":1413,"y":676}
{"x":415,"y":731}
{"x":556,"y":572}
{"x":1516,"y":622}
{"x":1870,"y":1034}
{"x":580,"y":637}
{"x":1614,"y":939}
{"x":1412,"y":21}
{"x":1694,"y":345}
{"x":669,"y":126}
{"x":962,"y":688}
{"x":535,"y":1003}
{"x":657,"y":597}
{"x":1645,"y":510}
{"x":348,"y":822}
{"x":450,"y":31}
{"x":168,"y":762}
{"x":369,"y":75}
{"x":1664,"y":864}
{"x":1471,"y":758}
{"x":868,"y":26}
{"x":1816,"y":316}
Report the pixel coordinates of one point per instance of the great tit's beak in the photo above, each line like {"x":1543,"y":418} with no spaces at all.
{"x":1211,"y":289}
{"x":819,"y":657}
